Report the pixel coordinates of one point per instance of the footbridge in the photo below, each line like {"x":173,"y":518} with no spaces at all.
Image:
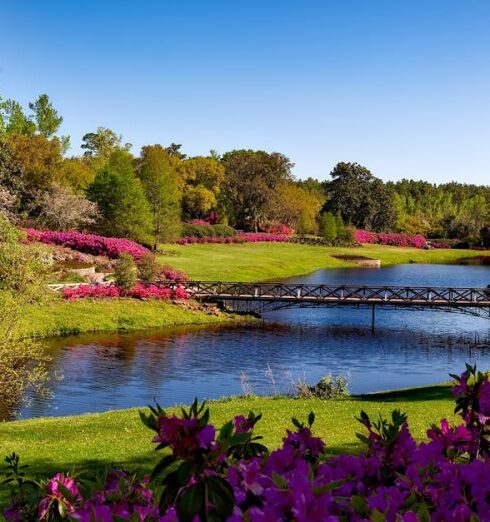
{"x":261,"y":297}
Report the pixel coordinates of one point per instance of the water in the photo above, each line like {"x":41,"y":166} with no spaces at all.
{"x":409,"y":348}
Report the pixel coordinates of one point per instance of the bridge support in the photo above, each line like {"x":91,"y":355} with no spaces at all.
{"x":373,"y":317}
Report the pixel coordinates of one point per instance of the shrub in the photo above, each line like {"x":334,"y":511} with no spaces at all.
{"x":328,"y":226}
{"x":147,"y":268}
{"x":242,"y":237}
{"x":207,"y":230}
{"x":139,"y":291}
{"x":125,"y":273}
{"x":111,"y":247}
{"x":392,"y":239}
{"x":228,"y":475}
{"x":329,"y":387}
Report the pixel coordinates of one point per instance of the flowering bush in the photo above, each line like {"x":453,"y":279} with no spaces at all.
{"x":392,"y":239}
{"x":242,"y":237}
{"x":438,"y":244}
{"x":111,"y":247}
{"x":140,"y":291}
{"x":228,"y":475}
{"x":278,"y":228}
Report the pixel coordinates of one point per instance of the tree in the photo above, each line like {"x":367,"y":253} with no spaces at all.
{"x":157,"y":171}
{"x":203,"y":177}
{"x":76,"y":173}
{"x":11,"y":181}
{"x":13,"y":120}
{"x":39,"y":157}
{"x":61,"y":209}
{"x":251,"y":178}
{"x":119,"y":194}
{"x":361,"y":199}
{"x":328,"y":226}
{"x":46,"y":116}
{"x":174,"y":150}
{"x":102,"y":143}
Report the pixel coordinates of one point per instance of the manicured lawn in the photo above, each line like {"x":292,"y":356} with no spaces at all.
{"x":61,"y":317}
{"x":262,"y":261}
{"x":119,"y":437}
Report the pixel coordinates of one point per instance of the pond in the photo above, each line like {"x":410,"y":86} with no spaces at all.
{"x":102,"y":372}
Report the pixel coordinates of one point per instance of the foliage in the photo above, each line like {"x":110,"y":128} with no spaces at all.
{"x":328,"y":387}
{"x":400,"y":240}
{"x":138,"y":291}
{"x":60,"y":209}
{"x":361,"y":199}
{"x":46,"y":116}
{"x":228,"y":474}
{"x":22,"y":361}
{"x":206,"y":230}
{"x":158,"y":173}
{"x":250,"y":183}
{"x":111,"y":247}
{"x":147,"y":268}
{"x":241,"y":237}
{"x":125,"y":273}
{"x":203,"y":178}
{"x":119,"y":194}
{"x":328,"y":226}
{"x":102,"y":143}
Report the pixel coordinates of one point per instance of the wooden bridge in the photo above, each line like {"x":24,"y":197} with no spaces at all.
{"x":259,"y":297}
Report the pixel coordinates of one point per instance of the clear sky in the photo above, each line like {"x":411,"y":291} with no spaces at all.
{"x":401,"y":86}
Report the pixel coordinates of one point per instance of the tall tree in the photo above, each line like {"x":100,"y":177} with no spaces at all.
{"x":46,"y":116}
{"x":121,"y":200}
{"x":250,"y":180}
{"x":359,"y":198}
{"x":13,"y":120}
{"x":203,"y":177}
{"x":102,"y":143}
{"x":157,"y":171}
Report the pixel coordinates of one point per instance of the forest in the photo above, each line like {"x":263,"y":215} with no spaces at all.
{"x":154,"y":195}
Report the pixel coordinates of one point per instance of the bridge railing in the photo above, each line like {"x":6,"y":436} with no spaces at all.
{"x":337,"y":293}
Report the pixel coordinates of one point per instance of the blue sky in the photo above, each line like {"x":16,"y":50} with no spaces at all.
{"x":402,"y":87}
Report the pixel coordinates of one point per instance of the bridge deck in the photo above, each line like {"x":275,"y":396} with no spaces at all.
{"x":338,"y":294}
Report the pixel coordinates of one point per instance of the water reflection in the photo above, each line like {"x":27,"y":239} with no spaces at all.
{"x":104,"y":372}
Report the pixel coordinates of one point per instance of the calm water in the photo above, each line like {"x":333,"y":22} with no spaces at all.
{"x":104,"y":372}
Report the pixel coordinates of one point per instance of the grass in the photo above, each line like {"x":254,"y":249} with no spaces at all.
{"x":118,"y":437}
{"x":60,"y":317}
{"x":263,"y":261}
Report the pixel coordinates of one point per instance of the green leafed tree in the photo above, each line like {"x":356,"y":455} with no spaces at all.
{"x":328,"y":226}
{"x":156,"y":169}
{"x":47,"y":119}
{"x":121,"y":200}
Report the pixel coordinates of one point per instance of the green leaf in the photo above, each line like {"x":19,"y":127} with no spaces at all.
{"x":190,"y":502}
{"x":221,"y":496}
{"x":162,"y":466}
{"x":311,"y":419}
{"x":359,"y":505}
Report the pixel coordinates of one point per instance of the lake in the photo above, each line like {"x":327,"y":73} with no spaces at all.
{"x":102,"y":372}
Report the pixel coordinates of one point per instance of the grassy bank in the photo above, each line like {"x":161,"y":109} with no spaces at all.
{"x":61,"y":317}
{"x":262,"y":261}
{"x":120,"y":438}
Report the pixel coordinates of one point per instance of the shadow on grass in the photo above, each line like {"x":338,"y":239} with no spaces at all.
{"x":422,"y":393}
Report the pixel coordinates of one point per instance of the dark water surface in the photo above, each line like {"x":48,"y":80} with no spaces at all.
{"x":409,"y":348}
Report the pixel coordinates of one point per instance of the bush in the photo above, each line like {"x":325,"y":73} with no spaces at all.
{"x":202,"y":230}
{"x":111,"y":247}
{"x":392,"y":239}
{"x":147,"y":268}
{"x":329,"y":387}
{"x":328,"y":226}
{"x":228,"y":475}
{"x":125,"y":273}
{"x":139,"y":291}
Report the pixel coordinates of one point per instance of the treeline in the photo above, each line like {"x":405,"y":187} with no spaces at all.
{"x":147,"y":197}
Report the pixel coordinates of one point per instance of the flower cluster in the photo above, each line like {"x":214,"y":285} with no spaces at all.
{"x":228,"y":475}
{"x":392,"y":239}
{"x":439,"y":244}
{"x":278,"y":228}
{"x":140,"y":291}
{"x":241,"y":237}
{"x":111,"y":247}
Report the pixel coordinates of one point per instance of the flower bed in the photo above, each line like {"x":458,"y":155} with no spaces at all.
{"x":111,"y":247}
{"x":140,"y":291}
{"x":228,"y":475}
{"x":242,"y":237}
{"x":392,"y":239}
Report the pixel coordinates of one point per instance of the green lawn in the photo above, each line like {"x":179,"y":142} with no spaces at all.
{"x":263,"y":261}
{"x":119,"y":437}
{"x":61,"y":317}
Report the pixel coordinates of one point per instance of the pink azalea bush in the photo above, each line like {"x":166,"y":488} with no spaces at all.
{"x":278,"y":228}
{"x":439,"y":244}
{"x":111,"y":247}
{"x":140,"y":291}
{"x":392,"y":239}
{"x":241,"y":237}
{"x":226,"y":474}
